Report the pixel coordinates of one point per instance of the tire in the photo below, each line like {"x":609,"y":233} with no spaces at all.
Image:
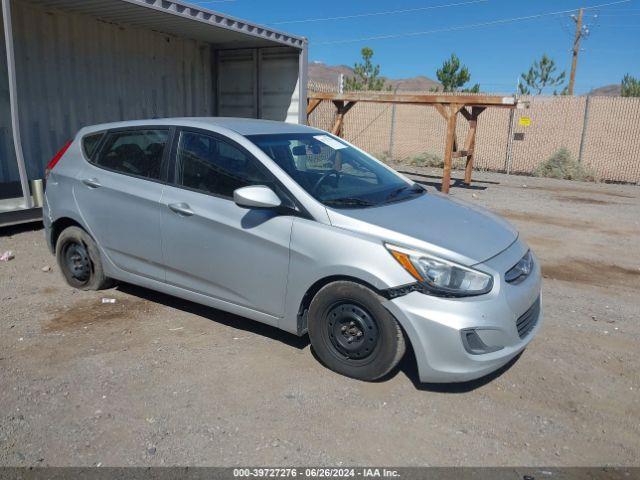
{"x":79,"y":260}
{"x":352,"y":333}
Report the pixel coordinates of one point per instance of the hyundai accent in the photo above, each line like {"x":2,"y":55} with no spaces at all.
{"x":294,"y":227}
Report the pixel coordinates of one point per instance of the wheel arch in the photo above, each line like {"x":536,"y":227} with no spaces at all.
{"x":316,"y":287}
{"x":58,"y":226}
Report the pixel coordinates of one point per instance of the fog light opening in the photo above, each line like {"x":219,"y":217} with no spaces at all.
{"x":474,"y":345}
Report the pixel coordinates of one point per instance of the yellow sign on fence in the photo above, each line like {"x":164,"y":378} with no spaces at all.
{"x":524,"y":121}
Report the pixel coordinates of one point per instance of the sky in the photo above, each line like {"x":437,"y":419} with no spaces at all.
{"x":496,"y":54}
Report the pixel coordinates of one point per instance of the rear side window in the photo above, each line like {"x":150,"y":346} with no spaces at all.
{"x":135,"y":152}
{"x":90,"y":143}
{"x":211,"y":165}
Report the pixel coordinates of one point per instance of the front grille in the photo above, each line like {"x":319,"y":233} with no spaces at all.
{"x":528,"y":319}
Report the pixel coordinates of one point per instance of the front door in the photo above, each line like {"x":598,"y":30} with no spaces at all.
{"x":212,"y":246}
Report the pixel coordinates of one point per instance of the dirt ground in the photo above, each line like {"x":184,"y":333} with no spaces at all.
{"x":153,"y":380}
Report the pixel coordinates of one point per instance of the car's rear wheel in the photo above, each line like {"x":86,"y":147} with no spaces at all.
{"x":352,"y":333}
{"x":79,"y":260}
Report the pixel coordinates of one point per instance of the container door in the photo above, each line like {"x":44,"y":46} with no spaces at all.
{"x":279,"y":87}
{"x":237,"y":83}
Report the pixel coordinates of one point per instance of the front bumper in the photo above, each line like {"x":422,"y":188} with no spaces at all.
{"x":434,"y":325}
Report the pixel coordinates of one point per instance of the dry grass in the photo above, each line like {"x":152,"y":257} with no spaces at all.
{"x":562,"y":165}
{"x":433,"y":160}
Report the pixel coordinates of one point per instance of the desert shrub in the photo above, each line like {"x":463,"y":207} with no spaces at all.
{"x":562,"y":165}
{"x":433,"y":160}
{"x":425,"y":159}
{"x":383,"y":157}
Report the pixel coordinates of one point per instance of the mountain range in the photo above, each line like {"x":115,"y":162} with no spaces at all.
{"x":330,"y":75}
{"x":607,"y":91}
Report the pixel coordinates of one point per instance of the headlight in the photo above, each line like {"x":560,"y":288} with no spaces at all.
{"x":520,"y":270}
{"x":442,"y":277}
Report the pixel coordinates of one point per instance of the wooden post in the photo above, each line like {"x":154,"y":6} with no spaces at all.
{"x":312,"y":104}
{"x":343,"y":108}
{"x":470,"y":142}
{"x":337,"y":124}
{"x":452,"y":116}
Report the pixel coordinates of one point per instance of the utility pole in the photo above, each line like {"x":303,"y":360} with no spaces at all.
{"x":576,"y":48}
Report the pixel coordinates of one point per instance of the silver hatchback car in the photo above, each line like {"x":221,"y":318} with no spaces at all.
{"x":291,"y":226}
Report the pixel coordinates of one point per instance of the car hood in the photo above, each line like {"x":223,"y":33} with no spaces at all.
{"x":451,"y":228}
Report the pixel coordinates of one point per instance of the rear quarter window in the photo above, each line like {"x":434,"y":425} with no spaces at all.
{"x":90,"y":143}
{"x":136,"y":152}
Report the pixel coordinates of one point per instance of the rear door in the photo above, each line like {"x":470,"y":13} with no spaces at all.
{"x":118,"y":193}
{"x":212,"y":246}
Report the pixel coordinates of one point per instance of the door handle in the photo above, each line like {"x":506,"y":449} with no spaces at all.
{"x":181,"y":209}
{"x":91,"y":182}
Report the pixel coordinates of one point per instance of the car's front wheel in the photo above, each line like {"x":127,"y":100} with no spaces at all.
{"x":79,"y":260}
{"x":352,"y":333}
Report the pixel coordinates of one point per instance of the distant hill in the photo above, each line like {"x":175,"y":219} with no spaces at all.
{"x":330,"y":75}
{"x":606,"y":91}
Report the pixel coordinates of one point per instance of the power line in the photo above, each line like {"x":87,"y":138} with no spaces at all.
{"x":372,"y":14}
{"x":464,"y":27}
{"x":614,"y":50}
{"x":617,"y":11}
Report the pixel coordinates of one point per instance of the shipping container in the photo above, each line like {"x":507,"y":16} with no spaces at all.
{"x":69,"y":63}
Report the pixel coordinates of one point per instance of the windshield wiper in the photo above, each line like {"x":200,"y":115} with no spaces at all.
{"x":349,"y":202}
{"x":415,"y":188}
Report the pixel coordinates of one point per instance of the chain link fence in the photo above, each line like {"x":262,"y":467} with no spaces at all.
{"x":602,"y":133}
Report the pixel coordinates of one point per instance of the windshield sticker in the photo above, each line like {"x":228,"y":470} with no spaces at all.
{"x":336,"y":145}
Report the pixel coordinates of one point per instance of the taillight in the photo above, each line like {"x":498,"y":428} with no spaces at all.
{"x":57,"y":158}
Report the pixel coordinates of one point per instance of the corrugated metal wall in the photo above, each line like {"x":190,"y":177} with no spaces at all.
{"x":8,"y":165}
{"x":238,"y":83}
{"x":75,"y":70}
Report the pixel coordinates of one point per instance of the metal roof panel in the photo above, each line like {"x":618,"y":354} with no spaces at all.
{"x":178,"y":18}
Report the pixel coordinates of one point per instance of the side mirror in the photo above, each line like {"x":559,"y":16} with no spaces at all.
{"x":256,"y":196}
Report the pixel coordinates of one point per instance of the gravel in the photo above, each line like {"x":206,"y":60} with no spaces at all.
{"x":154,"y":380}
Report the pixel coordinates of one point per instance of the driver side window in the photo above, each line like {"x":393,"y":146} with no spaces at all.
{"x":210,"y":165}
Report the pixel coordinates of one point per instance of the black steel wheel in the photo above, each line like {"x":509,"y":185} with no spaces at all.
{"x":76,"y":260}
{"x":352,"y":330}
{"x":79,"y":260}
{"x":352,"y":333}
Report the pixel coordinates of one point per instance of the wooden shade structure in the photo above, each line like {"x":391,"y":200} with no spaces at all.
{"x":469,"y":106}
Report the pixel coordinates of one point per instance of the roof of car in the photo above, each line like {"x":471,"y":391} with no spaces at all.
{"x":243,"y":126}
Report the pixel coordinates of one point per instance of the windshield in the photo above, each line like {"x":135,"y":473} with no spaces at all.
{"x":333,"y":172}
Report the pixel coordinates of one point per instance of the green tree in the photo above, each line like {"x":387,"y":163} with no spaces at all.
{"x":541,"y":75}
{"x":367,"y":75}
{"x":453,"y":76}
{"x":630,"y":86}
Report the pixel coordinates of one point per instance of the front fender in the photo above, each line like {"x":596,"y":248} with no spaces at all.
{"x":320,"y":251}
